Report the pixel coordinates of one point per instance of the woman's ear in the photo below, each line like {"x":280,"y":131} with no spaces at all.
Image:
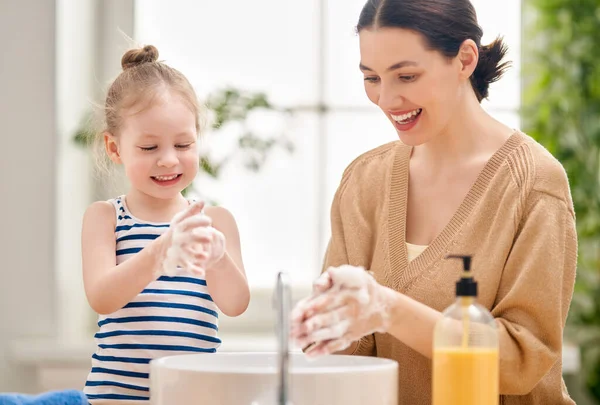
{"x":112,"y":147}
{"x":468,"y":56}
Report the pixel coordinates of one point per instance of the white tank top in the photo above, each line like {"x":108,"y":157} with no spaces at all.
{"x":414,"y":251}
{"x":172,"y":315}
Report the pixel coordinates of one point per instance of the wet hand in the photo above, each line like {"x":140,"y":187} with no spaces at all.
{"x":213,"y":249}
{"x":347,"y":303}
{"x":191,"y":242}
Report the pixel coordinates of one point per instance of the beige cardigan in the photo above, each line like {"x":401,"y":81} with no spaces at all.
{"x":517,"y":221}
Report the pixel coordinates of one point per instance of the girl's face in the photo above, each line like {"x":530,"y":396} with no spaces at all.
{"x":418,"y":89}
{"x":157,"y":147}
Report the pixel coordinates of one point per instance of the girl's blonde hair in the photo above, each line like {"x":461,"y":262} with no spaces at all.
{"x":143,"y":78}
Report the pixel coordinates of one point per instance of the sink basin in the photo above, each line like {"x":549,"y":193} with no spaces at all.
{"x":251,"y":379}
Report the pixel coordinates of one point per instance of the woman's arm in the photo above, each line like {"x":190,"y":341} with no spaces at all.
{"x":336,"y":255}
{"x":532,"y":301}
{"x":226,"y":279}
{"x":412,"y":323}
{"x":535,"y":293}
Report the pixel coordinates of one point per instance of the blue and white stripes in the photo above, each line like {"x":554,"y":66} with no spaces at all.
{"x":172,"y":315}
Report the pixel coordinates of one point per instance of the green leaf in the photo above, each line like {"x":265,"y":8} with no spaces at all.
{"x":561,"y":109}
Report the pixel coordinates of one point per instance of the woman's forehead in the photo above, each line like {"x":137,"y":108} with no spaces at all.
{"x":386,"y":48}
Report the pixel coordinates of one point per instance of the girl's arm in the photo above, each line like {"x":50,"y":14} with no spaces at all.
{"x":109,"y":287}
{"x":226,"y":279}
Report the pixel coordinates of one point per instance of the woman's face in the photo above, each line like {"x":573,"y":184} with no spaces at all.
{"x":418,"y":89}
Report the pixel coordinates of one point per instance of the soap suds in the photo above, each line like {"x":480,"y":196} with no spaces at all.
{"x":195,"y":245}
{"x":354,"y":306}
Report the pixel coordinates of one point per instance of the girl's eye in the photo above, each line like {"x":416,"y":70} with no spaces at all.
{"x":371,"y":79}
{"x":147,"y":148}
{"x":185,"y":146}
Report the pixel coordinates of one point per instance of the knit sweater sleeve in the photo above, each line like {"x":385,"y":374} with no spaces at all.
{"x":535,"y":292}
{"x":336,"y":255}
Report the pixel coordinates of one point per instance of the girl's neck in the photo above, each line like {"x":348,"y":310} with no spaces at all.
{"x":147,"y":207}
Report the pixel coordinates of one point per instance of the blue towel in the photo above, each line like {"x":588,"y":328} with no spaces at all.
{"x":67,"y":397}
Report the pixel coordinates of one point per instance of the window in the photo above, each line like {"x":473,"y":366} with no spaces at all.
{"x":304,"y":55}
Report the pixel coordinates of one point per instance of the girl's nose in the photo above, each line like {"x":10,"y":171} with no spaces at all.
{"x":168,"y":159}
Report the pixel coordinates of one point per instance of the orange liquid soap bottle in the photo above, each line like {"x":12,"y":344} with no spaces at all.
{"x":465,"y":349}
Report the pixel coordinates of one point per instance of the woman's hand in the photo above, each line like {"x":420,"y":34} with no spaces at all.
{"x":347,"y":304}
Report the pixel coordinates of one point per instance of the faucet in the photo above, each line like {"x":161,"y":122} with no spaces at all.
{"x":283,"y":302}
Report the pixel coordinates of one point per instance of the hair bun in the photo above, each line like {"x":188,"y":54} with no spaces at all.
{"x":490,"y":67}
{"x":136,"y":57}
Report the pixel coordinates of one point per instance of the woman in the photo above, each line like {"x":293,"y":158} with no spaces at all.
{"x":458,"y":181}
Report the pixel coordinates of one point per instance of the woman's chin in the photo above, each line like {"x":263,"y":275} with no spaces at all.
{"x":411,"y":134}
{"x":410,"y":138}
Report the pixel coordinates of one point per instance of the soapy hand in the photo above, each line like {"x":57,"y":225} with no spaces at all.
{"x":347,"y":304}
{"x":214,"y":248}
{"x":192,"y":243}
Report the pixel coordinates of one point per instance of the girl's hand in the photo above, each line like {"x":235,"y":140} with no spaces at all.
{"x":214,"y":248}
{"x":184,"y":242}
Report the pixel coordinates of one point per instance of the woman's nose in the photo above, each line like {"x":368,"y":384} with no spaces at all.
{"x":389,"y":98}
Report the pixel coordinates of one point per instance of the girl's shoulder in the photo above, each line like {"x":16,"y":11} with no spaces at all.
{"x":100,"y":212}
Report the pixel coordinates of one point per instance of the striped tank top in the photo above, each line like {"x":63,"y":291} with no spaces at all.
{"x":172,"y":315}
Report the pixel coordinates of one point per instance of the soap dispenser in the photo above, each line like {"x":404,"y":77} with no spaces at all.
{"x":465,"y":348}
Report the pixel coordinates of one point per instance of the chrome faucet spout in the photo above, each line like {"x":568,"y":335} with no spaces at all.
{"x":283,"y":302}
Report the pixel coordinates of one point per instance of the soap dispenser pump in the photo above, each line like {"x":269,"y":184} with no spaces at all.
{"x":465,"y":348}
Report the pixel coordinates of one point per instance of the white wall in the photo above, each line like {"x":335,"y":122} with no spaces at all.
{"x":91,"y":37}
{"x":27,"y":167}
{"x":76,"y":86}
{"x":64,"y":55}
{"x":57,"y":57}
{"x":283,"y":211}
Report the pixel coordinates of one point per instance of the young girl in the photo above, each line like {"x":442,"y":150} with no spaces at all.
{"x":155,"y":265}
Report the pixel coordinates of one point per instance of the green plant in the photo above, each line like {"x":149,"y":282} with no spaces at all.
{"x":226,"y":106}
{"x":231,"y":105}
{"x":562,"y":110}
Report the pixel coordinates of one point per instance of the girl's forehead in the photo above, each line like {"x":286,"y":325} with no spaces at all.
{"x":171,"y":117}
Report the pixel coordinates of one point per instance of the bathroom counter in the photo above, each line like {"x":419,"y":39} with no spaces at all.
{"x":37,"y":351}
{"x":65,"y":364}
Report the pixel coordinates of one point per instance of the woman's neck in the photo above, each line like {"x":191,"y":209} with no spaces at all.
{"x":471,"y":135}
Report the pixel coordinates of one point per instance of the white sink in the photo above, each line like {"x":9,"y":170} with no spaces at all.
{"x":251,"y":379}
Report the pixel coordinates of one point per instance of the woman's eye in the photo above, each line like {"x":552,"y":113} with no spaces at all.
{"x":408,"y":78}
{"x":371,"y":79}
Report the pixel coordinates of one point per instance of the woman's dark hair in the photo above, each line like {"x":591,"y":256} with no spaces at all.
{"x":445,"y":24}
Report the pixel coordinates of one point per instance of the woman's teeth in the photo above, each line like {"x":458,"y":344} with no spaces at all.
{"x":406,"y":117}
{"x":165,"y":178}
